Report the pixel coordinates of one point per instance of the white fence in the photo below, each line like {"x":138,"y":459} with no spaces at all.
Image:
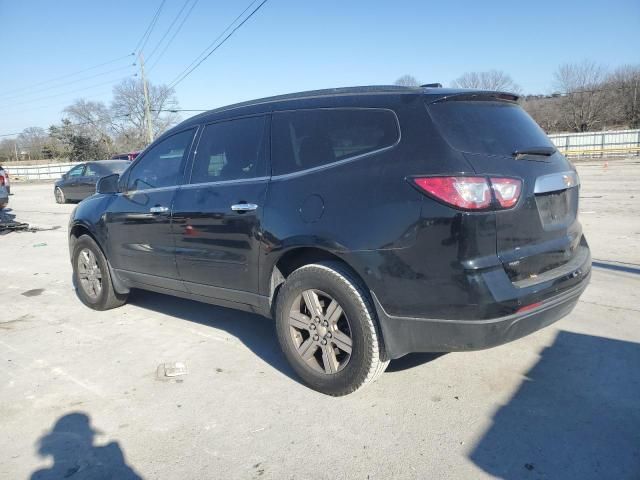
{"x":598,"y":144}
{"x":39,"y":172}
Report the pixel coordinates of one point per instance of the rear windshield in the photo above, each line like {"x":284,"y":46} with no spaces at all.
{"x":488,"y":127}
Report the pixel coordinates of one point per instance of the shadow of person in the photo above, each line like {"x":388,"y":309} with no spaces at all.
{"x":71,"y":444}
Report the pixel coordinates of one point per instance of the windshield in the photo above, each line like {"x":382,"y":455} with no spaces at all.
{"x":487,"y":127}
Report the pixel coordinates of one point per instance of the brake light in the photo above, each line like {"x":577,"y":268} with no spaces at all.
{"x":506,"y":190}
{"x":472,"y":193}
{"x":1,"y":180}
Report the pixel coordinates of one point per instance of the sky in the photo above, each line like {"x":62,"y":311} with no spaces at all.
{"x":290,"y":46}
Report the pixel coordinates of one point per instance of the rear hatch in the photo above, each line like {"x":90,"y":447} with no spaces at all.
{"x":540,"y":236}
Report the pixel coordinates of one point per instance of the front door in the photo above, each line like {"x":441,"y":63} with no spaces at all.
{"x":217,"y":214}
{"x":138,"y":222}
{"x":72,"y":185}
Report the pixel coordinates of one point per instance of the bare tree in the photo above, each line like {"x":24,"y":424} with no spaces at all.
{"x":127,"y":109}
{"x":93,"y":120}
{"x":545,"y":111}
{"x":585,"y":102}
{"x":33,"y":139}
{"x":491,"y":80}
{"x":624,"y":84}
{"x":407,"y":81}
{"x":8,"y":149}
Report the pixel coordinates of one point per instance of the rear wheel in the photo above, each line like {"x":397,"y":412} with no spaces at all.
{"x":92,"y":278}
{"x":59,"y":194}
{"x":327,"y":329}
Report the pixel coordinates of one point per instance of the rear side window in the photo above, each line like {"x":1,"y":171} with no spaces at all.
{"x":487,"y":127}
{"x":303,"y":139}
{"x":230,"y":150}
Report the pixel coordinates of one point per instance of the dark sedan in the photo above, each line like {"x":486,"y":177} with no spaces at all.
{"x":80,"y":182}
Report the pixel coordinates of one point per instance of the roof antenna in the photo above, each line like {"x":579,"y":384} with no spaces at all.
{"x":432,"y":85}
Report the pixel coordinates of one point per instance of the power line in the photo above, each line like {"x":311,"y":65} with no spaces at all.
{"x":68,"y":74}
{"x":66,"y":125}
{"x":147,"y":33}
{"x":66,"y":93}
{"x":175,"y":19}
{"x":173,"y":36}
{"x":67,"y":83}
{"x":190,"y":69}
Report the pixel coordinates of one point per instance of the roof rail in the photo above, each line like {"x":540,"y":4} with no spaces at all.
{"x":432,"y":85}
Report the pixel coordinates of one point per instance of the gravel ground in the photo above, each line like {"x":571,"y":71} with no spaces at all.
{"x":80,"y":396}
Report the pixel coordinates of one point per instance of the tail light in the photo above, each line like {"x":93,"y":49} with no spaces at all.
{"x":472,"y":193}
{"x":1,"y":180}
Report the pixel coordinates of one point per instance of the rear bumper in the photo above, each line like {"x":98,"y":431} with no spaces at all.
{"x":404,"y":335}
{"x":4,"y":195}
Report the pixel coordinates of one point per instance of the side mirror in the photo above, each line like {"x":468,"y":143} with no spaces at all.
{"x":108,"y":184}
{"x":64,"y":176}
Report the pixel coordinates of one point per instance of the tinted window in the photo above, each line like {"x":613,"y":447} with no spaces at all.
{"x":230,"y":151}
{"x":76,"y":171}
{"x":489,"y":127}
{"x":309,"y":138}
{"x":161,"y":166}
{"x":93,"y":170}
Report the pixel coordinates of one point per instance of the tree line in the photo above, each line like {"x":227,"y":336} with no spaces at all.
{"x":585,"y":96}
{"x":92,"y":130}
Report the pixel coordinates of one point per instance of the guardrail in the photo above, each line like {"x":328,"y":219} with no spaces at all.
{"x":598,"y":144}
{"x":39,"y":172}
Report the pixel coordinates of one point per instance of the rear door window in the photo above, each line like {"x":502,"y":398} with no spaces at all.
{"x":231,"y":150}
{"x":487,"y":127}
{"x":304,"y":139}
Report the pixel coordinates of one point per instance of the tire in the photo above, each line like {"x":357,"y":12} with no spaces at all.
{"x":85,"y":278}
{"x":59,"y":194}
{"x":351,"y":365}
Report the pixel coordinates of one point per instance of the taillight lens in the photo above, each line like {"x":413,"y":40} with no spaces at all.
{"x":506,"y":190}
{"x":1,"y":180}
{"x":472,"y":193}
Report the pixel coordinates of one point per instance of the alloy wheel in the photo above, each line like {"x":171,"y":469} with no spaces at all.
{"x":89,"y":274}
{"x":320,"y":331}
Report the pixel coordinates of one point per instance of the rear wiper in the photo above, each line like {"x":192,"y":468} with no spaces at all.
{"x":544,"y":151}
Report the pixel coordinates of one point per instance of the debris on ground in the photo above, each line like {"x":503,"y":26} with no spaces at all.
{"x":169,"y":370}
{"x":8,"y":225}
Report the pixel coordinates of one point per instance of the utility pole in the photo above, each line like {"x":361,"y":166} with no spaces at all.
{"x":15,"y":149}
{"x":147,"y":108}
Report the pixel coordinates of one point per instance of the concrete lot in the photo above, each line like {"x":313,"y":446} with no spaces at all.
{"x":79,"y":388}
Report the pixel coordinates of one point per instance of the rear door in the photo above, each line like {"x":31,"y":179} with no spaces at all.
{"x":542,"y":231}
{"x":217,"y":216}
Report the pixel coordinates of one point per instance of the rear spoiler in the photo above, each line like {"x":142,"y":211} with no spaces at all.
{"x":478,"y":95}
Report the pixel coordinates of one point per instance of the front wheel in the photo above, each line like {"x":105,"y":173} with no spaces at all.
{"x":327,"y":329}
{"x":91,"y":276}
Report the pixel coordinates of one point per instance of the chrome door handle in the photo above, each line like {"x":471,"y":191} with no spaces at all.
{"x":244,"y":207}
{"x":159,"y":209}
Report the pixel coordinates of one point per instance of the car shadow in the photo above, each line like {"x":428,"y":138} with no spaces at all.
{"x":71,"y":444}
{"x":255,"y":331}
{"x":575,"y":415}
{"x":411,"y":360}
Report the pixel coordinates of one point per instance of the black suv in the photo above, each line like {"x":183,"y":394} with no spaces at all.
{"x":369,"y":222}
